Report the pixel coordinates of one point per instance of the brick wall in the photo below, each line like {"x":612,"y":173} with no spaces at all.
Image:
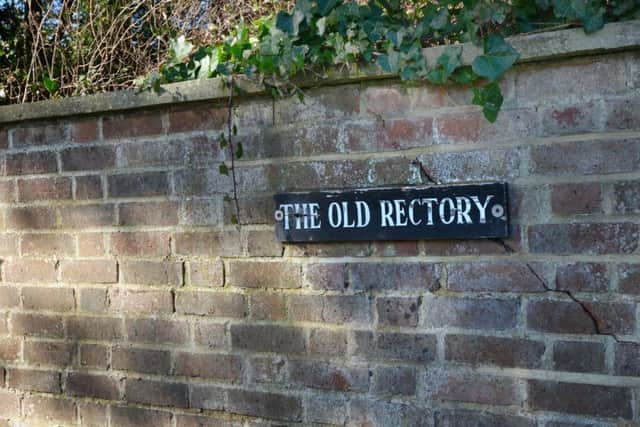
{"x":129,"y":299}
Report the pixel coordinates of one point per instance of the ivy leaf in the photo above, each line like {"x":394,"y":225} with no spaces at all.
{"x":326,"y":6}
{"x":489,"y":97}
{"x":498,"y":57}
{"x":179,"y":49}
{"x":223,"y":169}
{"x":223,"y":141}
{"x":592,"y":22}
{"x":239,"y":150}
{"x":589,"y":12}
{"x":396,"y":37}
{"x":464,"y":75}
{"x":51,"y":85}
{"x":389,"y":62}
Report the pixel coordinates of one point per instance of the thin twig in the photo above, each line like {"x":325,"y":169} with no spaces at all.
{"x":232,"y":149}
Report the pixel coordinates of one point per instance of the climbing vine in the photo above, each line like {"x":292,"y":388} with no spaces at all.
{"x":319,"y":35}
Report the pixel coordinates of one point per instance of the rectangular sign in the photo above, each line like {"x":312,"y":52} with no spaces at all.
{"x":473,"y":211}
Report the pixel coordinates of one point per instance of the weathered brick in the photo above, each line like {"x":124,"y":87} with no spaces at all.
{"x":473,"y":388}
{"x":32,"y":217}
{"x":579,"y":356}
{"x":397,"y":276}
{"x":262,"y":243}
{"x":90,"y":385}
{"x":461,"y":166}
{"x":504,"y":352}
{"x":82,"y":130}
{"x":224,"y":367}
{"x":326,"y":276}
{"x":627,"y":359}
{"x":463,"y":418}
{"x":618,"y":318}
{"x":158,"y":393}
{"x":202,"y":182}
{"x":267,"y":369}
{"x":209,"y":334}
{"x":395,"y":346}
{"x":139,"y":417}
{"x":151,"y":272}
{"x":585,"y":157}
{"x":493,"y":276}
{"x":8,"y":245}
{"x":219,"y":304}
{"x":85,"y":271}
{"x":330,"y":308}
{"x":141,"y":301}
{"x":580,"y":399}
{"x":582,"y":277}
{"x":49,"y":410}
{"x":9,"y":349}
{"x":253,"y":274}
{"x":626,"y":196}
{"x":576,"y":198}
{"x":577,"y":118}
{"x":94,"y":356}
{"x":93,"y":300}
{"x":327,"y":409}
{"x":34,"y":380}
{"x":622,"y":113}
{"x":205,"y":421}
{"x":369,"y":412}
{"x":145,"y":184}
{"x":327,"y":342}
{"x":48,"y":353}
{"x":35,"y":162}
{"x":151,"y":213}
{"x":267,"y":405}
{"x":132,"y":125}
{"x":267,"y":338}
{"x":471,"y":313}
{"x":8,"y":192}
{"x":95,"y":328}
{"x":91,"y":244}
{"x":9,"y":297}
{"x":403,"y":133}
{"x":140,"y":243}
{"x":36,"y":325}
{"x":47,"y":244}
{"x":51,"y":299}
{"x":564,"y":317}
{"x":56,"y":188}
{"x":43,"y":133}
{"x":197,"y":118}
{"x":328,"y":376}
{"x":336,"y":102}
{"x":397,"y":380}
{"x":153,"y":153}
{"x":88,"y":187}
{"x":88,"y":158}
{"x":208,"y":274}
{"x":208,"y":397}
{"x":267,"y":306}
{"x":10,"y":404}
{"x":203,"y":212}
{"x":629,"y":278}
{"x":209,"y":244}
{"x":157,"y":331}
{"x":587,"y":239}
{"x":92,"y":414}
{"x":81,"y":216}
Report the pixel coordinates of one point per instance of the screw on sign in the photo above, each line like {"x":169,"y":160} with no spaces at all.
{"x":409,"y":213}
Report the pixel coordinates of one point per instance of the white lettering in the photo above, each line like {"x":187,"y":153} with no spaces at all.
{"x":345,"y":215}
{"x":463,"y":213}
{"x":482,"y":207}
{"x":334,"y":210}
{"x":430,"y":203}
{"x":452,"y":213}
{"x":315,"y":216}
{"x":386,"y":210}
{"x":412,"y":213}
{"x":363,"y":213}
{"x":401,"y":214}
{"x":285,"y":209}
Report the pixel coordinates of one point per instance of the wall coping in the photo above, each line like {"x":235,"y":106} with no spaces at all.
{"x":544,"y":46}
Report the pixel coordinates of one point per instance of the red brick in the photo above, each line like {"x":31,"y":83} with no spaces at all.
{"x":580,"y":399}
{"x":622,"y":113}
{"x":94,"y":356}
{"x":95,"y":328}
{"x":91,"y":244}
{"x":223,"y":367}
{"x":93,"y":300}
{"x":629,"y":278}
{"x":140,"y":244}
{"x":209,"y":334}
{"x":88,"y":187}
{"x":209,"y":244}
{"x":267,"y":338}
{"x":89,"y":271}
{"x":334,"y":102}
{"x":393,"y":381}
{"x":39,"y":134}
{"x":496,"y":314}
{"x":218,"y":304}
{"x":138,"y":214}
{"x":582,"y":277}
{"x":395,"y":346}
{"x":51,"y":411}
{"x":616,"y":318}
{"x":474,"y":388}
{"x":90,"y":385}
{"x":268,"y":405}
{"x":476,"y":165}
{"x":461,"y":418}
{"x":83,"y":130}
{"x":140,"y":360}
{"x":493,"y":276}
{"x":626,"y":196}
{"x":132,"y":125}
{"x":328,"y":376}
{"x":88,"y":158}
{"x":9,"y":349}
{"x":151,"y":272}
{"x":191,"y":119}
{"x":47,"y":244}
{"x":326,"y":276}
{"x":252,"y":274}
{"x":145,"y":184}
{"x":562,"y":317}
{"x":36,"y":325}
{"x":587,"y":239}
{"x":157,"y":331}
{"x":9,"y":297}
{"x":504,"y":352}
{"x":157,"y":393}
{"x":48,"y":299}
{"x":32,"y":380}
{"x":138,"y":417}
{"x":585,"y":157}
{"x":579,"y":118}
{"x":44,"y":189}
{"x":267,"y":370}
{"x":577,"y":198}
{"x":579,"y":356}
{"x":326,"y":342}
{"x":87,"y":216}
{"x":208,"y":274}
{"x":408,"y":133}
{"x":36,"y":162}
{"x":267,"y":306}
{"x":398,"y":276}
{"x":141,"y":301}
{"x":32,"y":217}
{"x":154,"y":153}
{"x":330,"y":309}
{"x":49,"y":353}
{"x":386,"y":99}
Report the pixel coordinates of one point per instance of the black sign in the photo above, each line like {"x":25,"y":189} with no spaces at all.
{"x":412,"y":213}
